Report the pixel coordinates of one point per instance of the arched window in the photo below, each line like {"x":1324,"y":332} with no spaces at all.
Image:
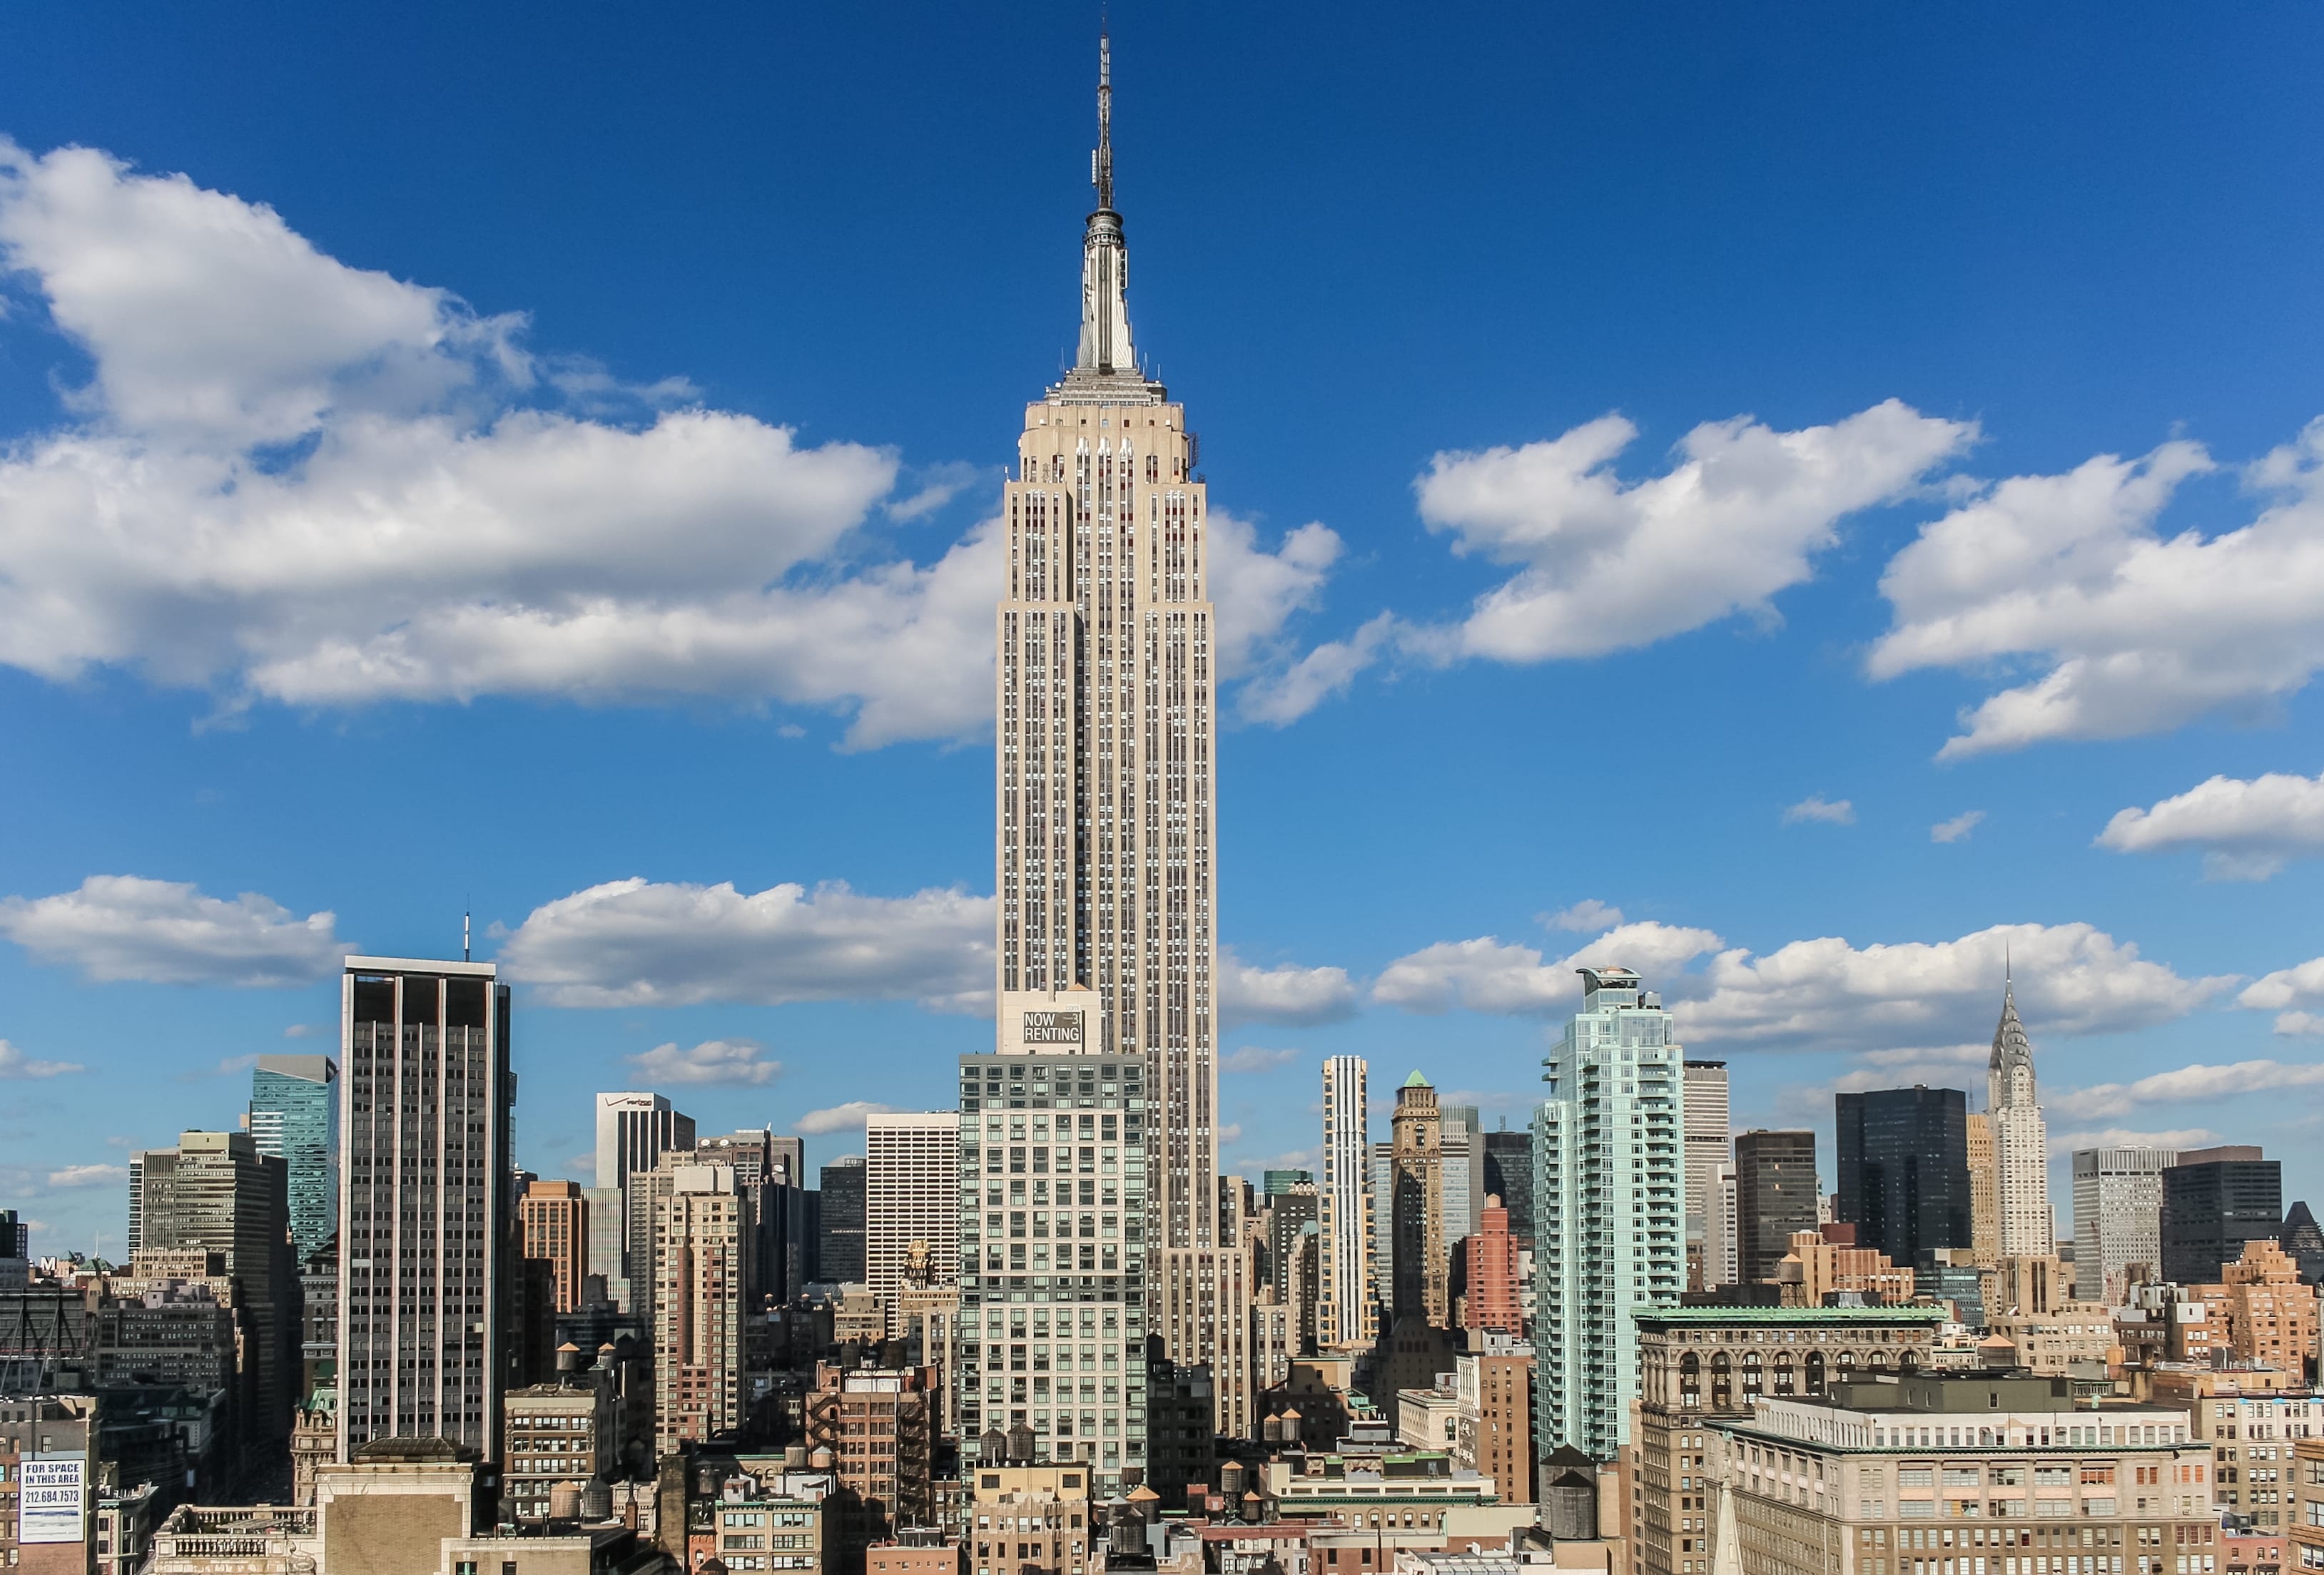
{"x":1689,"y":1380}
{"x":1784,"y":1373}
{"x":1815,"y":1372}
{"x":1722,"y":1385}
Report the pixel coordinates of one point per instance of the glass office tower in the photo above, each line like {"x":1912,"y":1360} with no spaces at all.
{"x":294,"y":1115}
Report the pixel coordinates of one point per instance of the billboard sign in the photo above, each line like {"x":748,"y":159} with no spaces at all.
{"x":1052,"y":1027}
{"x":52,"y":1498}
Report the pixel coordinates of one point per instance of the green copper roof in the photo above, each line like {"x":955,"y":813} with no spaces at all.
{"x":1415,"y":1079}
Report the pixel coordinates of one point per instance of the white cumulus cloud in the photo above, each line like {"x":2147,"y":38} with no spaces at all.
{"x":2128,"y":631}
{"x":2247,"y":830}
{"x":2298,"y":987}
{"x":2183,"y":1085}
{"x":1916,"y":998}
{"x":322,"y":485}
{"x":641,"y":942}
{"x":2125,"y":1137}
{"x":1901,"y":1068}
{"x":1957,"y":829}
{"x":1281,"y":693}
{"x":1253,"y":1058}
{"x":1487,"y":974}
{"x":1286,"y":993}
{"x":88,"y":1175}
{"x":1257,"y":590}
{"x":1604,"y":564}
{"x":841,"y":1117}
{"x":1816,"y":808}
{"x":14,"y":1062}
{"x":712,"y":1061}
{"x":1586,"y":917}
{"x":2072,"y":980}
{"x":167,"y":932}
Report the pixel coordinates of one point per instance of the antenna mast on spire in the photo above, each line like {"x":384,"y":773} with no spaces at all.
{"x":1101,"y":161}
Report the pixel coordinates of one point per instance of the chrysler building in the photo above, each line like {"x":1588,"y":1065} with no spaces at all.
{"x":1106,"y":762}
{"x":2020,"y":1143}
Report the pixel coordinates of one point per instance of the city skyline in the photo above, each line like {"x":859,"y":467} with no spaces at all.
{"x":1722,"y":698}
{"x":1390,"y":770}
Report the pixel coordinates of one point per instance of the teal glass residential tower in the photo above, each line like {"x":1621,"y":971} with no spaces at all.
{"x":294,"y":1115}
{"x":1610,"y":1213}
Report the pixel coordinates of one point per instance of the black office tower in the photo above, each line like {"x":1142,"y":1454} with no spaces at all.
{"x":2214,"y":1200}
{"x":839,"y":1245}
{"x":1508,"y":1176}
{"x":1774,"y":1196}
{"x":1904,"y":1169}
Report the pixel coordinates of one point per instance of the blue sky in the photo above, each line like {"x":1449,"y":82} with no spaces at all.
{"x":465,"y":459}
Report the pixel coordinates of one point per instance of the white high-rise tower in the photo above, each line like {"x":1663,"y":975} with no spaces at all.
{"x":1343,"y":1312}
{"x":1107,"y":734}
{"x":2020,"y":1142}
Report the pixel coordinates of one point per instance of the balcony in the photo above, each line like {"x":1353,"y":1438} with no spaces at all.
{"x":261,"y":1540}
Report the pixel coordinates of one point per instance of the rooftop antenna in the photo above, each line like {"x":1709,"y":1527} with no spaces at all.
{"x":464,"y":937}
{"x":1101,"y":161}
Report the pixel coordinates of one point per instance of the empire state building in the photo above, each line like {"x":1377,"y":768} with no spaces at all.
{"x":1107,"y":757}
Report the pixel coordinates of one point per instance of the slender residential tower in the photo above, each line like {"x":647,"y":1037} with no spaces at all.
{"x":1106,"y":727}
{"x":1610,"y":1230}
{"x":2020,"y":1142}
{"x":1343,"y":1313}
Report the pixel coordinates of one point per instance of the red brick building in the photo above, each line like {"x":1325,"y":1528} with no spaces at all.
{"x":1492,"y":1302}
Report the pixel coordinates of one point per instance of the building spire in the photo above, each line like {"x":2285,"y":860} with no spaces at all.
{"x":1101,"y":161}
{"x":2009,"y":1072}
{"x":1105,"y":349}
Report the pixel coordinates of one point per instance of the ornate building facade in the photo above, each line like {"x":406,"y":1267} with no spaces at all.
{"x":2020,"y":1142}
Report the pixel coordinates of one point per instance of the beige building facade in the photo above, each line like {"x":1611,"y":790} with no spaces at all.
{"x":2252,"y":1435}
{"x":911,"y":1197}
{"x":1702,"y":1367}
{"x":1422,"y":1284}
{"x":1983,"y":1194}
{"x":1917,"y":1475}
{"x":702,"y":1231}
{"x":2030,"y":1303}
{"x":554,"y":1220}
{"x":1203,"y":1311}
{"x":1032,"y":1520}
{"x":1107,"y":746}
